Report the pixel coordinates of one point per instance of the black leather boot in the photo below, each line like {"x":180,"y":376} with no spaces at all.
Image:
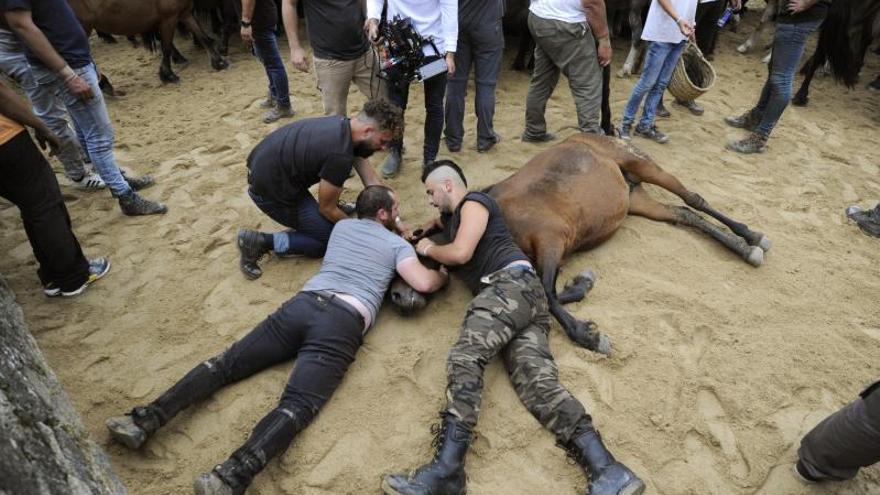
{"x":444,"y":475}
{"x":607,"y":476}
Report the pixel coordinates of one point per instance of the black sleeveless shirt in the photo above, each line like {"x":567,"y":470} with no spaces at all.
{"x":496,"y":248}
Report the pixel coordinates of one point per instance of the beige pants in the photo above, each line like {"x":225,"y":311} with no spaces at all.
{"x":335,"y":77}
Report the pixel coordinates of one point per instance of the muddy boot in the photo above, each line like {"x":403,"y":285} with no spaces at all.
{"x":607,"y":476}
{"x":252,"y":246}
{"x":133,"y":429}
{"x":755,"y":143}
{"x":212,"y":483}
{"x":867,"y":220}
{"x":133,"y":204}
{"x":749,"y":120}
{"x":442,"y":476}
{"x":138,"y":183}
{"x":391,"y":166}
{"x":276,"y":113}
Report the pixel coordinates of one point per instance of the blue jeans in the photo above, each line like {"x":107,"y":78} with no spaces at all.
{"x":90,"y":118}
{"x":310,"y":231}
{"x":788,"y":46}
{"x":266,"y":49}
{"x":659,"y":64}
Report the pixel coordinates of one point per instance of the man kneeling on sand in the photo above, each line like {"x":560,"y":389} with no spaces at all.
{"x":323,"y":326}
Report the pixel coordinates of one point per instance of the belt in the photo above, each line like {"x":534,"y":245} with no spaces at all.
{"x":331,"y":298}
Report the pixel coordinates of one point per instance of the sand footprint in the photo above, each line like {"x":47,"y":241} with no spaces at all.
{"x":693,"y":350}
{"x":700,"y":463}
{"x":712,"y":411}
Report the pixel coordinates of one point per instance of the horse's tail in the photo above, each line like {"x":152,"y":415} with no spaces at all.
{"x":834,"y":42}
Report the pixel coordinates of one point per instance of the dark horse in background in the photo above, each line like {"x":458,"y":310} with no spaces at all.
{"x":145,"y":18}
{"x":574,"y":196}
{"x":843,"y":42}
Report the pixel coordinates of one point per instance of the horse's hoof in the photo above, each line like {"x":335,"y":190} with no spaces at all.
{"x":624,"y":73}
{"x":406,"y":299}
{"x":756,"y":256}
{"x":169,"y":78}
{"x":799,"y":101}
{"x":220,"y":64}
{"x":765,"y":243}
{"x":604,"y":345}
{"x":742,"y":48}
{"x":588,"y":275}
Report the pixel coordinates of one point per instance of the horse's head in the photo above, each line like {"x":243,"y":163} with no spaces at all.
{"x":406,"y":300}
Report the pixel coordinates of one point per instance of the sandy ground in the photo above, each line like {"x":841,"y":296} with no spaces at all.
{"x":719,"y":368}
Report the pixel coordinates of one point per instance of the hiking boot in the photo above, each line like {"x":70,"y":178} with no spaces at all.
{"x":445,"y":474}
{"x":691,"y":105}
{"x":269,"y":102}
{"x":606,"y":475}
{"x":868,"y":221}
{"x":89,"y":182}
{"x":652,"y":133}
{"x":211,"y":484}
{"x":132,"y":204}
{"x":624,"y":131}
{"x":138,"y":183}
{"x":133,"y":429}
{"x":252,"y":247}
{"x":661,"y":111}
{"x":749,"y":120}
{"x":484,"y":147}
{"x":276,"y":113}
{"x":755,"y":143}
{"x":391,"y":165}
{"x":540,"y":138}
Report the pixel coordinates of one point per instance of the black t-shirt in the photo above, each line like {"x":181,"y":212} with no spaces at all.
{"x":59,"y":24}
{"x":815,"y":13}
{"x":479,"y":12}
{"x":294,"y":157}
{"x":496,"y":248}
{"x":336,"y":28}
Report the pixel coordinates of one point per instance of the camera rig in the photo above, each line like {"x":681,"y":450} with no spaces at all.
{"x":405,"y":59}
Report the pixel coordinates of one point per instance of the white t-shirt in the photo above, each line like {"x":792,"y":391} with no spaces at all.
{"x":659,"y":26}
{"x":559,"y":10}
{"x":437,"y":18}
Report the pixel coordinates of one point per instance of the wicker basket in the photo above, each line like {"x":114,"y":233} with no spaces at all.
{"x":693,"y":75}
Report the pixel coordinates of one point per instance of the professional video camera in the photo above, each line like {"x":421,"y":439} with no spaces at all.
{"x":405,"y":59}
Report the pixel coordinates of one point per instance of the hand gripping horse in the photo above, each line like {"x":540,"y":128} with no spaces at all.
{"x":574,"y":196}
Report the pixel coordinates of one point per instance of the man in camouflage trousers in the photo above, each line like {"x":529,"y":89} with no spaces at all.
{"x":509,"y":316}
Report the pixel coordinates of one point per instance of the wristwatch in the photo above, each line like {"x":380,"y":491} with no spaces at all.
{"x":245,"y":24}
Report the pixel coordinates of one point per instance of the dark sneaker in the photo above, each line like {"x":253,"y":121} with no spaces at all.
{"x":277,"y":113}
{"x":662,"y":112}
{"x":211,"y":484}
{"x":391,"y":165}
{"x":138,"y":183}
{"x":453,"y":148}
{"x":251,"y":248}
{"x":868,"y":221}
{"x":652,"y":133}
{"x":98,"y":267}
{"x":134,"y":205}
{"x":755,"y":143}
{"x":624,"y":131}
{"x":691,"y":105}
{"x":482,"y":148}
{"x":748,"y":120}
{"x":540,"y":138}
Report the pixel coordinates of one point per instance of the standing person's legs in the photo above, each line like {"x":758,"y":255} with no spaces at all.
{"x":456,"y":90}
{"x":398,"y":93}
{"x":650,"y":74}
{"x":581,"y":67}
{"x":334,"y":78}
{"x":28,"y":182}
{"x":266,"y":49}
{"x":366,"y":76}
{"x":706,"y":21}
{"x":435,"y":90}
{"x":671,"y":52}
{"x":488,"y":54}
{"x":844,"y":442}
{"x":545,"y":75}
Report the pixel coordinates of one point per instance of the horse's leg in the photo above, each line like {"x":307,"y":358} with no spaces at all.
{"x":802,"y":97}
{"x":218,"y":62}
{"x":607,"y":128}
{"x":640,"y":203}
{"x":645,"y":170}
{"x":177,"y":57}
{"x":635,"y":26}
{"x":577,"y":289}
{"x":548,"y":255}
{"x":106,"y":37}
{"x":166,"y":33}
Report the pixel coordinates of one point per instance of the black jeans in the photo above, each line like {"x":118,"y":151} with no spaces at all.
{"x":706,"y":20}
{"x":435,"y":90}
{"x":322,"y":334}
{"x":26,"y":179}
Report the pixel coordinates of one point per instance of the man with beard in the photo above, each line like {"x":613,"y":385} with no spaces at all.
{"x":299,"y":155}
{"x":322,"y":326}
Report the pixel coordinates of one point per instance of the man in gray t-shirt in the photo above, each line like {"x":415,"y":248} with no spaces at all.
{"x":322,"y":326}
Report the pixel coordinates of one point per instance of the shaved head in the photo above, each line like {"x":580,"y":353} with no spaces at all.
{"x":444,"y":173}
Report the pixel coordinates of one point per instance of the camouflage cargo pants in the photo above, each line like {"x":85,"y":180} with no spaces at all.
{"x":510,"y":316}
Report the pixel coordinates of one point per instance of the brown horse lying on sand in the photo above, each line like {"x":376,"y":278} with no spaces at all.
{"x":145,"y":17}
{"x":573,"y":197}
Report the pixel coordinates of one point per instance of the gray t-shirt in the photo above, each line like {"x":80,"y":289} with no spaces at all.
{"x":361,"y":260}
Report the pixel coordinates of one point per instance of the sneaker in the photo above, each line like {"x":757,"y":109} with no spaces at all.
{"x":138,"y":183}
{"x":755,"y":143}
{"x":269,"y":102}
{"x":540,"y":138}
{"x":89,"y":182}
{"x":251,"y":249}
{"x":453,"y":148}
{"x":624,"y":131}
{"x":51,"y":290}
{"x":98,"y":267}
{"x":652,"y":133}
{"x":482,"y":148}
{"x":749,"y":120}
{"x":691,"y":105}
{"x":211,"y":484}
{"x":868,"y":221}
{"x":662,"y":112}
{"x":276,"y":113}
{"x":132,"y":204}
{"x":391,"y":165}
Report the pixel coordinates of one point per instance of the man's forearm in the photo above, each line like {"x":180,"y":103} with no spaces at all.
{"x":247,"y":10}
{"x":23,"y":26}
{"x":291,"y":23}
{"x":596,"y":18}
{"x":13,"y":107}
{"x":670,"y":9}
